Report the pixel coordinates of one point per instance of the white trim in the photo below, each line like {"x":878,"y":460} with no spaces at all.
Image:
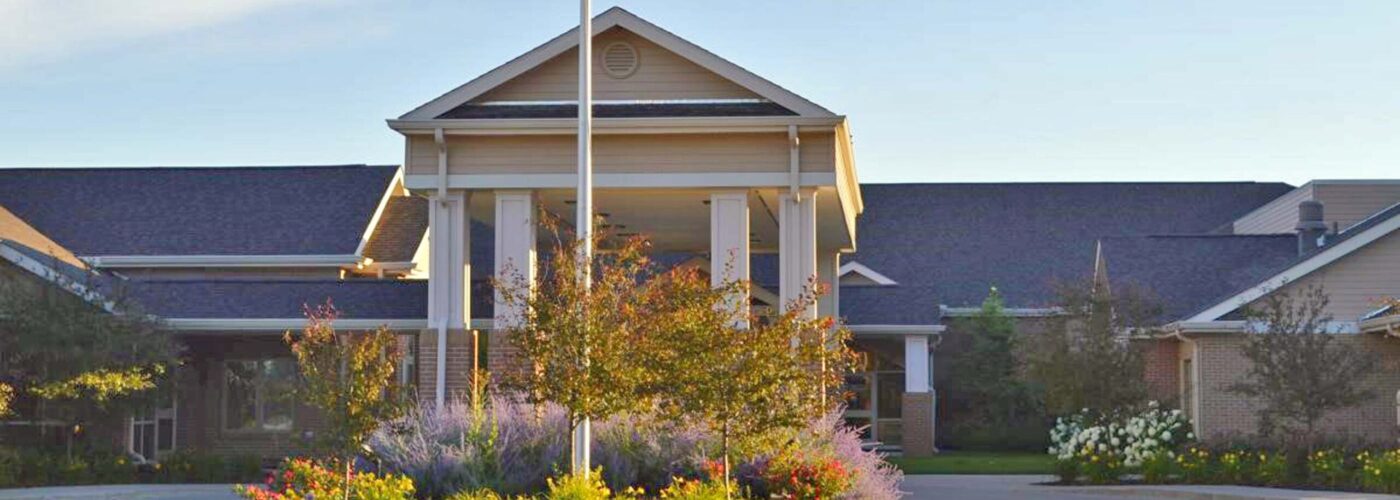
{"x":1015,"y":312}
{"x":47,"y":273}
{"x":633,"y":125}
{"x":1299,"y":270}
{"x":120,"y":261}
{"x":620,"y":180}
{"x":1184,"y":327}
{"x":284,"y":324}
{"x":379,"y":211}
{"x":868,"y":273}
{"x":623,"y":102}
{"x":864,"y":330}
{"x":615,"y":17}
{"x":1390,"y":325}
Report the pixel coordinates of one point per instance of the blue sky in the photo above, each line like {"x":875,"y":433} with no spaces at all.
{"x":936,"y":91}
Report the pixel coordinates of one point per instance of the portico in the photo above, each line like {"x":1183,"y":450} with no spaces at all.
{"x":697,"y":154}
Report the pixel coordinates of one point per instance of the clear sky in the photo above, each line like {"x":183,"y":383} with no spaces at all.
{"x":937,"y":91}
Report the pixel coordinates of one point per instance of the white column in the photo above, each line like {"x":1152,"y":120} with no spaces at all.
{"x":515,"y":250}
{"x":916,"y":364}
{"x":797,"y":245}
{"x":729,"y":241}
{"x":828,"y":269}
{"x":449,"y":264}
{"x":449,"y":276}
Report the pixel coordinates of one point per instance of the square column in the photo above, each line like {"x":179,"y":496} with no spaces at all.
{"x":917,"y":412}
{"x":797,"y":245}
{"x":829,"y":275}
{"x":729,"y":242}
{"x":515,"y":264}
{"x":444,"y":348}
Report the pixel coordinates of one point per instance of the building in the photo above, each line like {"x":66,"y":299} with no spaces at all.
{"x":707,"y":159}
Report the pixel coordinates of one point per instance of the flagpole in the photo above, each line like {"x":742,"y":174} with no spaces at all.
{"x":584,"y":202}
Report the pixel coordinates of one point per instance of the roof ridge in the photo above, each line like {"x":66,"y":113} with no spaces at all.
{"x":194,"y":167}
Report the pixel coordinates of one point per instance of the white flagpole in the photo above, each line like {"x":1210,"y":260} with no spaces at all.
{"x":584,"y":201}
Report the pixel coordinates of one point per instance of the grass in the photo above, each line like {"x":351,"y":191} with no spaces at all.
{"x":978,"y":462}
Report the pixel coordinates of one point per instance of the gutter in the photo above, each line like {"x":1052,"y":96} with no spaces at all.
{"x":1387,"y":325}
{"x":283,"y":324}
{"x":127,"y":261}
{"x":866,"y":330}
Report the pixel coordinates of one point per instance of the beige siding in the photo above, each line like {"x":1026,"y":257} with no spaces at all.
{"x":1275,"y":217}
{"x":681,"y":153}
{"x":1225,"y":415}
{"x":1349,"y":203}
{"x":661,"y":74}
{"x":1357,"y":281}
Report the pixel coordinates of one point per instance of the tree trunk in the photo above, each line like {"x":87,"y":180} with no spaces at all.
{"x":724,"y":450}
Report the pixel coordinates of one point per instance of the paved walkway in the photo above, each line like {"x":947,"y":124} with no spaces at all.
{"x":127,"y":492}
{"x":1012,"y":487}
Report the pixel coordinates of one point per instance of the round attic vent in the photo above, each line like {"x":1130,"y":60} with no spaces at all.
{"x":620,"y":59}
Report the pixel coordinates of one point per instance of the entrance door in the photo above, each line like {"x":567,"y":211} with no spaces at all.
{"x":152,"y":432}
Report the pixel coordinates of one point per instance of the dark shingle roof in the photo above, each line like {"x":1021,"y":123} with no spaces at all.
{"x":199,"y":211}
{"x":1185,"y":273}
{"x":400,"y":230}
{"x":369,"y":299}
{"x":954,"y":241}
{"x":639,"y":110}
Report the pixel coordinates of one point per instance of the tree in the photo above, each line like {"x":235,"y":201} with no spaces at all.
{"x":581,"y":343}
{"x":1084,"y":359}
{"x":349,"y":376}
{"x":988,"y":372}
{"x":1299,"y":372}
{"x":73,"y":355}
{"x":742,"y":376}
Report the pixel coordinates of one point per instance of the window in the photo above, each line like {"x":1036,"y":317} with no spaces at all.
{"x":258,"y":394}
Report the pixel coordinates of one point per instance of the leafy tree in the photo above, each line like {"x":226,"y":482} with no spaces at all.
{"x":744,"y":377}
{"x":349,"y":376}
{"x":73,"y":355}
{"x":1084,"y":359}
{"x":988,"y":372}
{"x":1298,"y":371}
{"x":582,"y":343}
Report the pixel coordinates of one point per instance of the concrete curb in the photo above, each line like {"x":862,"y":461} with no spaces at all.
{"x":1203,"y":492}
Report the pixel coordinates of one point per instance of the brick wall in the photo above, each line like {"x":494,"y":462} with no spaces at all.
{"x":1224,"y":415}
{"x":459,"y":365}
{"x":1160,"y":369}
{"x":917,"y":423}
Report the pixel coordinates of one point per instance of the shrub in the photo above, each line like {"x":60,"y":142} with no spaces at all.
{"x":1236,"y":467}
{"x":1159,"y":468}
{"x":1272,"y":468}
{"x":302,"y":478}
{"x":1380,"y":472}
{"x":682,"y":489}
{"x":578,"y":487}
{"x":1196,"y":466}
{"x":1328,"y":468}
{"x":797,"y":476}
{"x":1067,"y":469}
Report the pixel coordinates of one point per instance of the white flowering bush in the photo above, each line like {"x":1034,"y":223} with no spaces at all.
{"x":1127,"y":440}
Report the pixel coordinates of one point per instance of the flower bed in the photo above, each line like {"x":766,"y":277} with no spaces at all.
{"x":37,"y":467}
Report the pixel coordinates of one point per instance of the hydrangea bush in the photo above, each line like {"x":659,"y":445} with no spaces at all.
{"x":1106,"y":444}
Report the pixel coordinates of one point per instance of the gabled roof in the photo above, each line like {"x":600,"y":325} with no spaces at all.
{"x":1186,"y":272}
{"x":280,"y":299}
{"x":12,"y":228}
{"x":1336,"y":248}
{"x":200,"y":211}
{"x":616,"y":17}
{"x":399,"y":231}
{"x":955,"y":241}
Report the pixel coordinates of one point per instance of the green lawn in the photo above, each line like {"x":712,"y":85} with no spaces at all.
{"x":978,"y":462}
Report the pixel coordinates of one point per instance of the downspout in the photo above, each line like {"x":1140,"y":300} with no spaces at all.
{"x":1195,"y":380}
{"x":440,"y":390}
{"x":794,"y":163}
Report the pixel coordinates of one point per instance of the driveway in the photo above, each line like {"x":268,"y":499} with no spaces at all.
{"x":931,"y":487}
{"x":127,"y":492}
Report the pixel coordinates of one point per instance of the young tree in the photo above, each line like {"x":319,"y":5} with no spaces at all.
{"x":742,"y":376}
{"x":1298,"y":371}
{"x":73,"y":355}
{"x":988,"y":371}
{"x":1084,"y":359}
{"x":349,"y":376}
{"x":581,"y":344}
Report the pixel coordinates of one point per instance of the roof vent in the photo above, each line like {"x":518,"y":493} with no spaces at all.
{"x":620,"y":59}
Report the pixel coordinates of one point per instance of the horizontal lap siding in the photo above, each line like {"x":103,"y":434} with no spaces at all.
{"x":1358,"y":281}
{"x":661,"y":74}
{"x":678,"y":153}
{"x":1276,"y":217}
{"x":1348,"y":204}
